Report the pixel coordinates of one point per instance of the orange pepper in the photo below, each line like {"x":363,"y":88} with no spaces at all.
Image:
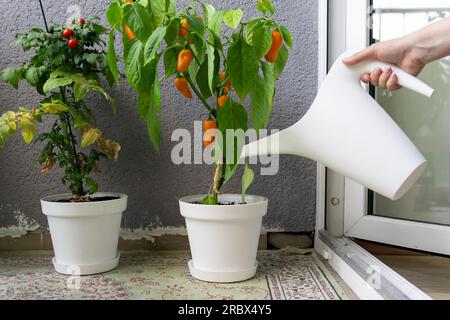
{"x":277,"y":42}
{"x":129,"y":1}
{"x":184,"y":29}
{"x":129,"y":33}
{"x":185,"y":58}
{"x":227,"y":87}
{"x":183,"y":86}
{"x":209,"y":129}
{"x":222,"y":100}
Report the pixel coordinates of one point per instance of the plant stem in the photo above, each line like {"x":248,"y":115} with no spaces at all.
{"x":193,"y":53}
{"x":217,"y":180}
{"x":74,"y":148}
{"x":43,"y":15}
{"x":199,"y":95}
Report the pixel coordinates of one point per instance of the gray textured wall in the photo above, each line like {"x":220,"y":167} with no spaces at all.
{"x":153,"y":183}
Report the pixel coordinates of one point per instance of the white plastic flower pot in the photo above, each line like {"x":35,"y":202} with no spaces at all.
{"x":85,"y":235}
{"x":223,"y":238}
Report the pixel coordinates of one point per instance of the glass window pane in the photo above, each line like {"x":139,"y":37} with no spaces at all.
{"x":425,"y":121}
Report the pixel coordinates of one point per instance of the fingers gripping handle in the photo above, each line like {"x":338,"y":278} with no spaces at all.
{"x":404,"y":79}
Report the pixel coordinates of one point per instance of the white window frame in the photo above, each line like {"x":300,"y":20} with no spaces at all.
{"x":357,"y":222}
{"x":348,"y":259}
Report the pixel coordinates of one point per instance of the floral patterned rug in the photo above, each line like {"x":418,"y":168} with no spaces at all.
{"x":282,"y":275}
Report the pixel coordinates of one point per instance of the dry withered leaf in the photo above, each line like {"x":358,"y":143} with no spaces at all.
{"x":47,"y":166}
{"x":109,"y":147}
{"x":96,"y":169}
{"x":85,"y":198}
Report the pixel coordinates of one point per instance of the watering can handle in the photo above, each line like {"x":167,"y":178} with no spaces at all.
{"x":404,"y":79}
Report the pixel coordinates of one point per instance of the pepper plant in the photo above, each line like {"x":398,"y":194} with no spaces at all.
{"x":64,"y":67}
{"x":220,"y":67}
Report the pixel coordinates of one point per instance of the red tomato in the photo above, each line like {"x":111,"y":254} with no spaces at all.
{"x":72,"y":43}
{"x":81,"y":21}
{"x":67,"y":33}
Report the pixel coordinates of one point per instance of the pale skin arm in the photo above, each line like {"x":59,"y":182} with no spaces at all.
{"x":411,"y":53}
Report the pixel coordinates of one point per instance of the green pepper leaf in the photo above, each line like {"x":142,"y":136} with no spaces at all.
{"x":243,"y":66}
{"x":170,"y":62}
{"x":210,"y":56}
{"x":134,"y":67}
{"x":233,"y":116}
{"x":171,"y":7}
{"x":250,"y":28}
{"x":114,"y":15}
{"x":214,"y":40}
{"x":153,"y":43}
{"x":208,"y":12}
{"x":247,"y":180}
{"x":213,"y":18}
{"x":157,"y":10}
{"x":112,"y":58}
{"x":149,"y":104}
{"x":202,"y":80}
{"x":262,"y":40}
{"x":232,"y":18}
{"x":265,"y":5}
{"x":261,"y":97}
{"x":172,"y":32}
{"x":209,"y":200}
{"x":196,"y":25}
{"x":286,"y":36}
{"x":280,"y":63}
{"x":230,"y":170}
{"x":138,"y":20}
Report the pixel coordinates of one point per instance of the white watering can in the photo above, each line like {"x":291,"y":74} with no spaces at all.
{"x":349,"y":132}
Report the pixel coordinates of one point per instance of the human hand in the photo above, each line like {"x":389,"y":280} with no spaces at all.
{"x":401,"y":52}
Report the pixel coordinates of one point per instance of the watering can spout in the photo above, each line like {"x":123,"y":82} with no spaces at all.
{"x":348,"y":131}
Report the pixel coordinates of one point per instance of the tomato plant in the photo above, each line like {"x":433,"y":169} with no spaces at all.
{"x":222,"y":68}
{"x":64,"y":71}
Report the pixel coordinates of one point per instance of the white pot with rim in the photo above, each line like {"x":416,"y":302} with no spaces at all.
{"x":223,"y":238}
{"x":85,"y":235}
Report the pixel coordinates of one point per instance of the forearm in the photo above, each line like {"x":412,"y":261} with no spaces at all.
{"x":432,"y":42}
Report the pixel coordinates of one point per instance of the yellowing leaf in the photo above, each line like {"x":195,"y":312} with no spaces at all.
{"x":35,"y":112}
{"x":53,"y":108}
{"x":10,"y":115}
{"x":89,"y":137}
{"x":12,"y":125}
{"x":27,"y":128}
{"x":7,"y":125}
